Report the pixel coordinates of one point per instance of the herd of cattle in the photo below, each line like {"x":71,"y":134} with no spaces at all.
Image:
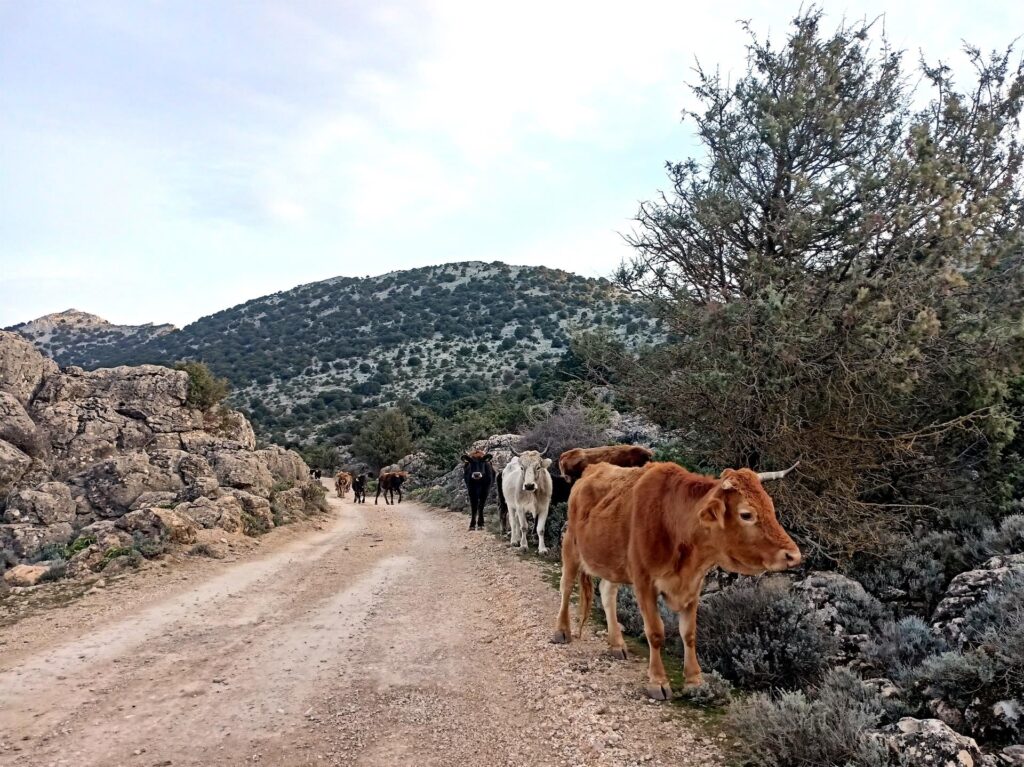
{"x":654,"y":526}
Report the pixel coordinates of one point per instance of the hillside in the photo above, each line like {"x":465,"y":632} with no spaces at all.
{"x":72,"y":337}
{"x":303,"y":361}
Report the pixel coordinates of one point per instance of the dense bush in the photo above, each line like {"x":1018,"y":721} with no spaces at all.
{"x":569,"y":426}
{"x":204,"y":389}
{"x":828,"y":727}
{"x":315,"y":496}
{"x":762,"y":637}
{"x":715,"y":692}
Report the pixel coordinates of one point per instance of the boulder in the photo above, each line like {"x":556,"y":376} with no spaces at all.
{"x":243,"y":470}
{"x":20,"y":542}
{"x":289,"y":504}
{"x":224,"y":512}
{"x":929,"y":741}
{"x":284,"y":465}
{"x":22,"y":368}
{"x":159,"y":524}
{"x":46,"y":504}
{"x":232,"y":425}
{"x":968,"y":589}
{"x":254,"y":507}
{"x":844,"y":608}
{"x":25,"y":575}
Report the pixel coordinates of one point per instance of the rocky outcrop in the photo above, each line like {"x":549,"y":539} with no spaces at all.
{"x":103,"y":460}
{"x":843,"y":606}
{"x":967,"y":590}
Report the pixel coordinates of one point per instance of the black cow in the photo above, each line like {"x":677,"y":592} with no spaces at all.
{"x":359,"y":488}
{"x":479,"y":475}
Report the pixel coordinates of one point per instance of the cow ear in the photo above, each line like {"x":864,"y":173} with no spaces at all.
{"x":465,"y":458}
{"x":546,"y":462}
{"x":712,"y":513}
{"x":488,"y":457}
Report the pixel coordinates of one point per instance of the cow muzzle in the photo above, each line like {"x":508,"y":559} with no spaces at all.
{"x":786,"y":559}
{"x":476,"y":475}
{"x":529,"y":487}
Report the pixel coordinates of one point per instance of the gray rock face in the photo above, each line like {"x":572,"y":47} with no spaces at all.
{"x":112,"y":452}
{"x":844,"y":607}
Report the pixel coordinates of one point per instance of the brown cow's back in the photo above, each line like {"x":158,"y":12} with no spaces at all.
{"x":572,"y":463}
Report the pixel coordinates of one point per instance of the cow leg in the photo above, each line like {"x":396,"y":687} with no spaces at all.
{"x":378,"y":496}
{"x":513,"y":525}
{"x":609,"y":601}
{"x":472,"y":510}
{"x":570,"y":570}
{"x":688,"y":631}
{"x":524,"y":541}
{"x":542,"y":519}
{"x":654,"y":628}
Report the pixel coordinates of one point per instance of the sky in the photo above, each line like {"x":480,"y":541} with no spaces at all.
{"x":163,"y":160}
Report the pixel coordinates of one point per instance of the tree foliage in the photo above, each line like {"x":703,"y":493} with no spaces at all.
{"x":840,"y":273}
{"x":204,"y":389}
{"x":383,"y":438}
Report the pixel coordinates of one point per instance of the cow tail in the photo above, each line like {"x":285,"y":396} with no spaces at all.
{"x":586,"y":598}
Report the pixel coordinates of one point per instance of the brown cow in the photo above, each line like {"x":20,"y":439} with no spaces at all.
{"x":389,"y":482}
{"x":660,"y":529}
{"x":342,"y":483}
{"x":572,"y":462}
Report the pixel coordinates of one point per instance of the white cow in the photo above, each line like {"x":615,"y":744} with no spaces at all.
{"x":526,"y":485}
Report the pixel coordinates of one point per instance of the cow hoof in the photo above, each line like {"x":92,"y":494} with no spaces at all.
{"x":693,"y":681}
{"x":619,"y":653}
{"x":560,"y":637}
{"x":659,"y":691}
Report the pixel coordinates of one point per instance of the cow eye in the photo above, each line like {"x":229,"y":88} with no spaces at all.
{"x":746,"y":515}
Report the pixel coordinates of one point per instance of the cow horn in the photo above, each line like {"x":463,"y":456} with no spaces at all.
{"x":512,"y":449}
{"x":764,"y":476}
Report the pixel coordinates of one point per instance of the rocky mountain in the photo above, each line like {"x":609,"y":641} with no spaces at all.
{"x":303,"y":361}
{"x":114,"y":463}
{"x":72,"y":337}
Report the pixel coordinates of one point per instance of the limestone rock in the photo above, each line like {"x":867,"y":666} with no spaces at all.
{"x":19,"y":430}
{"x":844,"y":607}
{"x":22,"y":367}
{"x":244,"y":470}
{"x":284,"y":465}
{"x":254,"y":507}
{"x":289,"y":504}
{"x":968,"y":589}
{"x":26,"y":541}
{"x":224,"y":512}
{"x":929,"y":741}
{"x":46,"y":504}
{"x":25,"y":575}
{"x":159,"y":524}
{"x":13,"y":466}
{"x":112,"y":486}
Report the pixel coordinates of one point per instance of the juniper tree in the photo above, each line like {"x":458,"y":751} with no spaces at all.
{"x":840,"y":272}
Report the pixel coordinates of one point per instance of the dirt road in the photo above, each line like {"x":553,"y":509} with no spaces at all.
{"x":390,"y":636}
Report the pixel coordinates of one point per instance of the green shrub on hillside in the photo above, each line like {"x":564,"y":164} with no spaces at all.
{"x":204,"y":389}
